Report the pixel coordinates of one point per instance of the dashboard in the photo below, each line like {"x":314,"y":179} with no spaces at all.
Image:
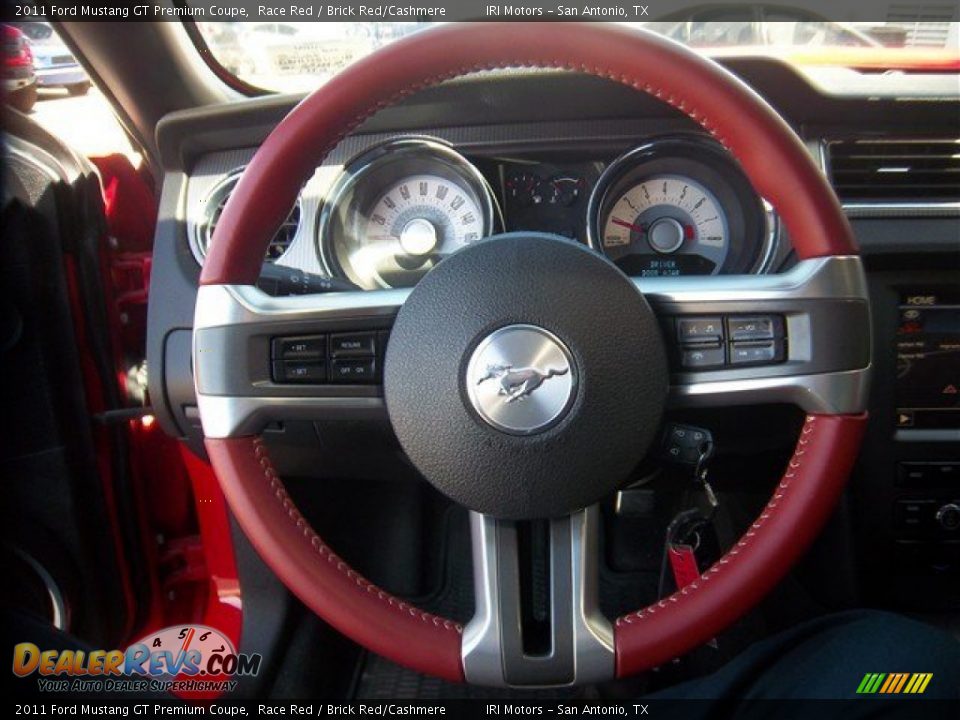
{"x":670,"y":204}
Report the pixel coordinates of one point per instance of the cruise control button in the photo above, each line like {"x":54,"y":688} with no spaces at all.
{"x":701,"y":329}
{"x":353,"y":371}
{"x":309,"y":372}
{"x":754,"y":327}
{"x":702,"y":357}
{"x":758,"y":353}
{"x":307,"y":347}
{"x":353,"y":344}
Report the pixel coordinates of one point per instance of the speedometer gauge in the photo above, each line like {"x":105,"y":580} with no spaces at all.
{"x":679,"y":206}
{"x":425,"y":214}
{"x":398,"y":210}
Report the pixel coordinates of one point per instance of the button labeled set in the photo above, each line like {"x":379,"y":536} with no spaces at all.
{"x":317,"y":359}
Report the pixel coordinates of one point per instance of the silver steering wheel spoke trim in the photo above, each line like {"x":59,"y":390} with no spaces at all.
{"x":824,"y":302}
{"x":580,"y":650}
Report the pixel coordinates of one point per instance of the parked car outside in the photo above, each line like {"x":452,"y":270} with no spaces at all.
{"x":757,"y":25}
{"x":19,"y":78}
{"x":55,"y":65}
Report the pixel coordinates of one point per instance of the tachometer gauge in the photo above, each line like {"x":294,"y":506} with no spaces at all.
{"x":399,"y":209}
{"x":672,"y":216}
{"x":679,"y":206}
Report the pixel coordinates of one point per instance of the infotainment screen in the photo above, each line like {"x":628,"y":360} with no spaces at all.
{"x":928,"y":359}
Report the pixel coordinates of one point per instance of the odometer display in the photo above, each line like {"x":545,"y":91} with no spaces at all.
{"x":660,"y":266}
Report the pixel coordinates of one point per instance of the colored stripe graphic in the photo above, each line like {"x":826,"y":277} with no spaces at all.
{"x":891,"y":680}
{"x":901,"y":683}
{"x":894,"y":683}
{"x":918,"y":683}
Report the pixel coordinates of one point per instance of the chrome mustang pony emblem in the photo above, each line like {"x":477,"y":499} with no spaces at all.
{"x":517,"y":384}
{"x":521,"y":379}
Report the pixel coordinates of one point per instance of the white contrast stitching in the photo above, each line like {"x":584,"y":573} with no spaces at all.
{"x":316,"y":542}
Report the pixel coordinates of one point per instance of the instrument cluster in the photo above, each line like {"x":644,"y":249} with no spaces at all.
{"x":673,"y":206}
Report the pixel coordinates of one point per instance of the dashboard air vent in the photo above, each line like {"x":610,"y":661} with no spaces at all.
{"x":213,"y":208}
{"x":891,"y":171}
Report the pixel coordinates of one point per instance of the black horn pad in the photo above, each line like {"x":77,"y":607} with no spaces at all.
{"x":525,"y":376}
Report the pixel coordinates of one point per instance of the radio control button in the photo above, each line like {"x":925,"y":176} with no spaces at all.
{"x":754,"y":327}
{"x":756,"y":353}
{"x":703,"y":357}
{"x":700,"y":329}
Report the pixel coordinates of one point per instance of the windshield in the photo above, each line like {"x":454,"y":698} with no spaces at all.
{"x":299,"y":56}
{"x":295,"y":56}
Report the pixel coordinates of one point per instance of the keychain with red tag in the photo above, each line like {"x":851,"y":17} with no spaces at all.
{"x":692,"y":531}
{"x":683,"y":563}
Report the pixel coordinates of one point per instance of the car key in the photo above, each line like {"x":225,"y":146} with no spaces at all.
{"x":687,"y":444}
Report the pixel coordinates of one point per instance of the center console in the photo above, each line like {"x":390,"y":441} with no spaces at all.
{"x":907,"y":488}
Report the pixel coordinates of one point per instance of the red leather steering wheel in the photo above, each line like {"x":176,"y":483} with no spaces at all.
{"x":827,"y":277}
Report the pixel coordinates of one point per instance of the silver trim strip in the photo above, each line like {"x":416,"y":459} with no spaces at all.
{"x":480,"y":647}
{"x":902,"y":210}
{"x":583,"y":649}
{"x":224,"y":416}
{"x":829,"y":279}
{"x":833,"y":277}
{"x":830,"y":393}
{"x":224,"y":305}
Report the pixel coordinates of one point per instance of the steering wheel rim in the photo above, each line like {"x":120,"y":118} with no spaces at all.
{"x":773,"y":158}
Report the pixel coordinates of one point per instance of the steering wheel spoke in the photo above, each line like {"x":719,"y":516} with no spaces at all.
{"x":821,"y":366}
{"x":236,"y":366}
{"x":572,"y":642}
{"x":801,"y":337}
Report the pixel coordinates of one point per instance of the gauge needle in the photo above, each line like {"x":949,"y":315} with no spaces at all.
{"x":632,"y":226}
